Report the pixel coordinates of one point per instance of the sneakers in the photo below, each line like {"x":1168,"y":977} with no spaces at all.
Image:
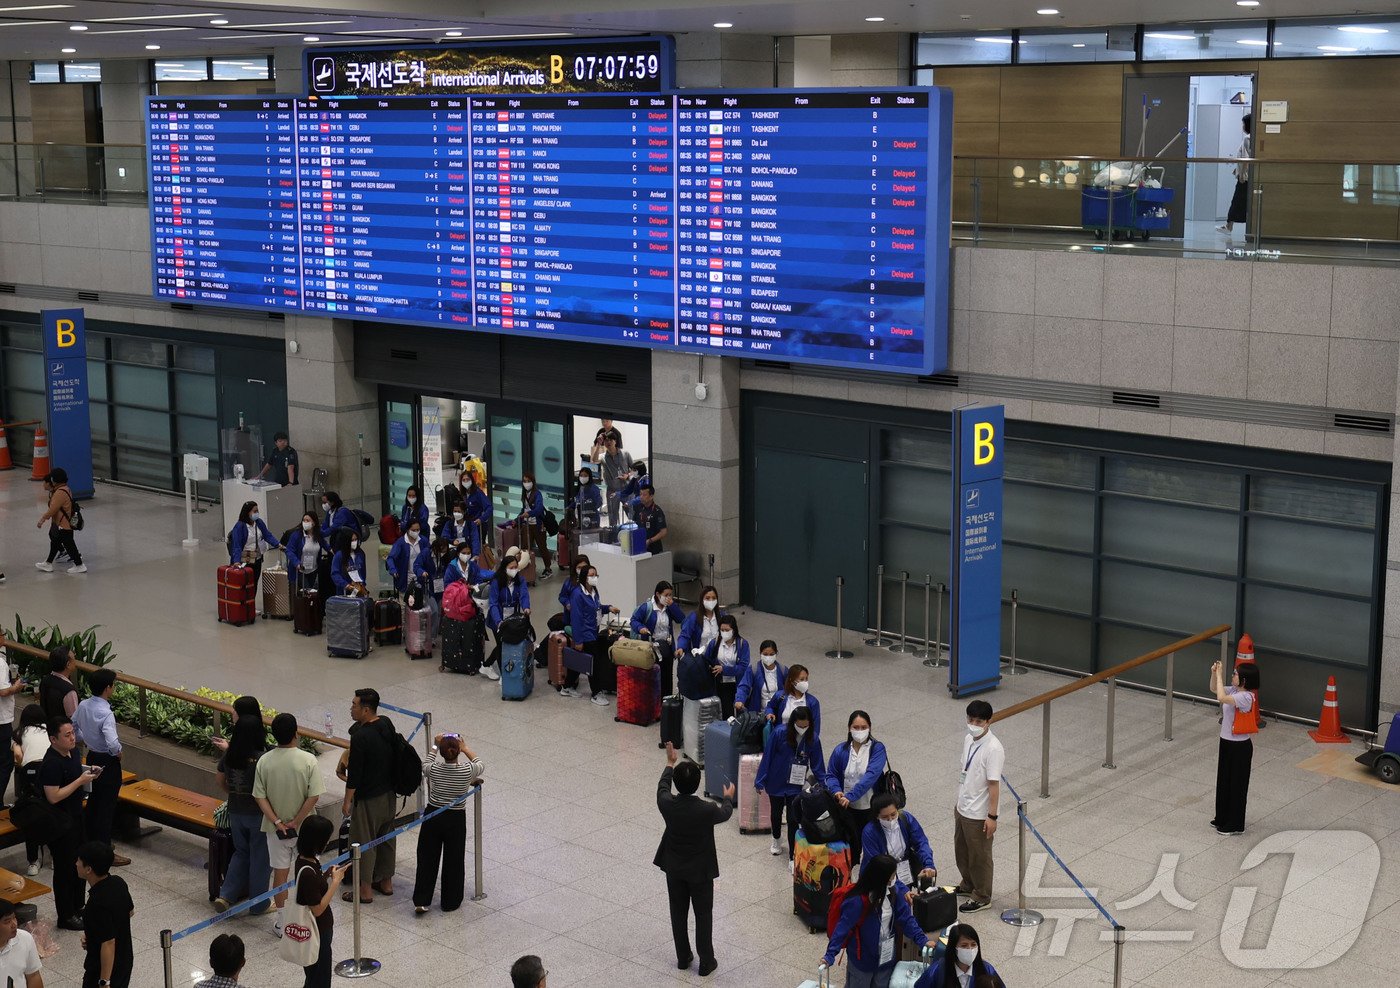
{"x":33,"y":869}
{"x":222,"y":905}
{"x":2,"y":577}
{"x":568,"y":691}
{"x":490,"y":673}
{"x":45,"y":567}
{"x":791,"y":866}
{"x":775,"y":848}
{"x":277,"y":924}
{"x":80,"y":568}
{"x":599,"y":699}
{"x":973,"y":906}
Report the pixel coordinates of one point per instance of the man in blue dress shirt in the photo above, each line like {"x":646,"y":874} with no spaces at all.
{"x":97,"y":729}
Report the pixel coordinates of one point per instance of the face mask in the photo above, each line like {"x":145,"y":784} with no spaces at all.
{"x":800,"y":732}
{"x":592,"y":581}
{"x":976,"y":731}
{"x":770,"y":660}
{"x":710,"y":605}
{"x":890,"y":825}
{"x":584,"y":480}
{"x":666,"y":602}
{"x":306,"y":526}
{"x":860,"y":736}
{"x":529,"y":486}
{"x":464,"y":558}
{"x":966,"y":955}
{"x":253,"y":518}
{"x":412,"y":501}
{"x":413,"y":536}
{"x":325,"y":507}
{"x":354,"y":545}
{"x":458,"y":516}
{"x":801,"y":687}
{"x":726,"y":635}
{"x":511,"y":573}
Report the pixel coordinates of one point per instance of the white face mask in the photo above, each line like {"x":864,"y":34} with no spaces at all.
{"x":412,"y":501}
{"x":583,"y":480}
{"x":726,"y":635}
{"x":325,"y":507}
{"x":413,"y":536}
{"x":253,"y":518}
{"x":592,"y":581}
{"x":770,"y":660}
{"x":801,"y":687}
{"x":354,"y":545}
{"x":710,"y":605}
{"x":860,"y":736}
{"x":458,"y":516}
{"x":464,"y":558}
{"x":529,"y":486}
{"x":800,"y":732}
{"x":966,"y":955}
{"x":306,"y":526}
{"x":890,"y":825}
{"x":665,"y":602}
{"x":976,"y":731}
{"x":511,"y":573}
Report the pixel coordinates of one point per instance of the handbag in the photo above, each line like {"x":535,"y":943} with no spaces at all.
{"x":551,"y":523}
{"x":301,"y":937}
{"x":890,"y":782}
{"x":221,"y":816}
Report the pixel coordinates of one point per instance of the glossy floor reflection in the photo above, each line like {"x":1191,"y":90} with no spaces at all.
{"x":571,"y":824}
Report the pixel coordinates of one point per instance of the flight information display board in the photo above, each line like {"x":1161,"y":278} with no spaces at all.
{"x":806,"y":226}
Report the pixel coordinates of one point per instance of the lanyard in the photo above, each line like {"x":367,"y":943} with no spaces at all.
{"x":971,"y":756}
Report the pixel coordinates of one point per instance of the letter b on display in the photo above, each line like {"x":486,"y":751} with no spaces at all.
{"x":556,"y":69}
{"x":65,"y":333}
{"x":984,"y":450}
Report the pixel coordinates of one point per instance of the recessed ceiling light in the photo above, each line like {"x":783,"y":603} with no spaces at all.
{"x":1246,"y":3}
{"x":453,"y":34}
{"x":219,"y":21}
{"x":874,"y":20}
{"x":1047,"y":11}
{"x":77,"y":27}
{"x":1357,"y":29}
{"x":1253,"y":43}
{"x":1077,"y":44}
{"x":995,"y":41}
{"x":311,"y":37}
{"x":68,"y":51}
{"x":1169,"y":37}
{"x":1333,"y":48}
{"x":723,"y":24}
{"x":153,"y":47}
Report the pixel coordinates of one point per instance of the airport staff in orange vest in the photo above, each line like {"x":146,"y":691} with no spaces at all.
{"x":1239,"y":721}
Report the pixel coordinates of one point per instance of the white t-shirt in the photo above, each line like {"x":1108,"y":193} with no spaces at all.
{"x":19,"y":958}
{"x":856,"y":766}
{"x":34,"y":744}
{"x":981,"y":762}
{"x":726,"y":655}
{"x":792,"y":703}
{"x":771,"y":684}
{"x":663,"y":624}
{"x":1244,"y":698}
{"x":7,"y":703}
{"x":709,"y":631}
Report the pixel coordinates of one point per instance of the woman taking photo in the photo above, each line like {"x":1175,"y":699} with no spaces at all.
{"x":962,"y":964}
{"x":249,"y":869}
{"x":442,"y":840}
{"x":762,"y":680}
{"x":1239,"y":722}
{"x":856,"y":765}
{"x":728,"y":659}
{"x":316,"y":890}
{"x":658,"y":619}
{"x":532,"y":517}
{"x":307,"y":556}
{"x":249,"y":540}
{"x":413,"y":509}
{"x":348,"y":567}
{"x":872,"y":912}
{"x":586,"y":615}
{"x":794,"y":696}
{"x":790,"y":754}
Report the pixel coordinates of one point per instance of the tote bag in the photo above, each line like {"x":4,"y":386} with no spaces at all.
{"x":301,"y":937}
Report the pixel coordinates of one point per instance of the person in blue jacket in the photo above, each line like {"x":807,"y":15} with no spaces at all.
{"x":658,"y":619}
{"x":464,"y":565}
{"x":532,"y":514}
{"x":478,"y":510}
{"x":702,"y":627}
{"x":572,"y":580}
{"x":510,"y":594}
{"x":794,"y":696}
{"x":250,"y":534}
{"x":856,"y":765}
{"x":763,"y":680}
{"x":790,"y":754}
{"x":897,"y":833}
{"x":871,"y":914}
{"x":729,"y":654}
{"x":403,"y":555}
{"x":963,"y":959}
{"x":307,"y":555}
{"x":413,"y":509}
{"x":455,"y":527}
{"x":584,"y":610}
{"x":587,"y":502}
{"x":338,"y":518}
{"x":429,"y":568}
{"x":348,"y":565}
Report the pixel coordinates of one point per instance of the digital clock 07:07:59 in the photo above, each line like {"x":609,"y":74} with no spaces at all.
{"x":588,"y":68}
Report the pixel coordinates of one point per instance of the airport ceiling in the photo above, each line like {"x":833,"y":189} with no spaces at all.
{"x":41,"y":29}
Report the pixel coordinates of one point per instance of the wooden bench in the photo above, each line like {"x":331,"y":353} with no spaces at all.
{"x":9,"y":833}
{"x":18,"y":888}
{"x":178,"y":808}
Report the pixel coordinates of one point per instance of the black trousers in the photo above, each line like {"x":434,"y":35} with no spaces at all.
{"x":318,"y":975}
{"x":7,"y":765}
{"x":668,"y":668}
{"x":1232,"y":784}
{"x":857,"y":819}
{"x":684,"y":896}
{"x":442,"y":842}
{"x":604,"y":675}
{"x":776,"y":805}
{"x":1239,"y":204}
{"x":62,"y":538}
{"x":67,"y":886}
{"x":102,"y":801}
{"x":726,"y":698}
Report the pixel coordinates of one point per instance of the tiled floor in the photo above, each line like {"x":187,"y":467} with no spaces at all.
{"x":571,"y":825}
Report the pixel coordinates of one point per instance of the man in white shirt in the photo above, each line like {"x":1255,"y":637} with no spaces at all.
{"x":10,"y":684}
{"x":975,"y":816}
{"x":19,"y":958}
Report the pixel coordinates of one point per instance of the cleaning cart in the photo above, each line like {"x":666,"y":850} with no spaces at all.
{"x":1128,"y":198}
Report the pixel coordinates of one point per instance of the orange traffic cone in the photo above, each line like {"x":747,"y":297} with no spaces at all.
{"x":1244,"y":651}
{"x":1329,"y":727}
{"x":41,"y":455}
{"x":5,"y":462}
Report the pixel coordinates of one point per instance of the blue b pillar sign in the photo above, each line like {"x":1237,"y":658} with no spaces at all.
{"x":66,"y":385}
{"x":975,"y":548}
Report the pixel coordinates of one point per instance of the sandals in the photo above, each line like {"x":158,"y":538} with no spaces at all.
{"x":381,"y":890}
{"x":350,"y":897}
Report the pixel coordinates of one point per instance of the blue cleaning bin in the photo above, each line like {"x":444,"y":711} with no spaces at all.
{"x":1133,"y":210}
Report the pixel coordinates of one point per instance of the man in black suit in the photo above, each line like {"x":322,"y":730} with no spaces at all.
{"x":687,"y":855}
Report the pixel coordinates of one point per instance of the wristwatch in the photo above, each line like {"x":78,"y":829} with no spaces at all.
{"x":991,"y":816}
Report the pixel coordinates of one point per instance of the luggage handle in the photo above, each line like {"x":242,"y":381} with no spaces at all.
{"x":823,"y":976}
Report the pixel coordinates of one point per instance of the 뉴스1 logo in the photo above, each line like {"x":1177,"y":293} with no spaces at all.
{"x":323,"y":74}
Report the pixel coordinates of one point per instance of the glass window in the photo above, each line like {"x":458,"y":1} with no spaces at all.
{"x":98,"y":424}
{"x":253,"y":67}
{"x":1172,"y":535}
{"x":1337,"y":559}
{"x":97,"y":346}
{"x":1171,"y":481}
{"x":1051,"y":579}
{"x":150,"y":352}
{"x":25,"y":370}
{"x":964,"y":49}
{"x":917,"y":553}
{"x":195,"y":393}
{"x":138,"y":427}
{"x":1051,"y":465}
{"x":1049,"y":516}
{"x":1053,"y":639}
{"x":1311,"y":625}
{"x":1334,"y":38}
{"x":1163,"y":599}
{"x":145,"y":386}
{"x":198,"y":435}
{"x":97,"y":379}
{"x":929,"y":448}
{"x":82,"y":72}
{"x":45,"y":72}
{"x":135,"y":466}
{"x":195,"y":358}
{"x":915,"y":494}
{"x":1309,"y":497}
{"x":1173,"y":42}
{"x":24,"y":337}
{"x":183,"y":70}
{"x":1069,"y":46}
{"x":1192,"y":665}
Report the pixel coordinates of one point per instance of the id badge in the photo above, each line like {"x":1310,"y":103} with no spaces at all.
{"x":797,"y":775}
{"x":962,"y":777}
{"x":904,"y":873}
{"x":438,"y":585}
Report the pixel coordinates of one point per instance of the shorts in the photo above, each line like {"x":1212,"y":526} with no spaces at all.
{"x":280,"y":853}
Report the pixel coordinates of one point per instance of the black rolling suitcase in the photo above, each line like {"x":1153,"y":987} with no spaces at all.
{"x":671,"y":721}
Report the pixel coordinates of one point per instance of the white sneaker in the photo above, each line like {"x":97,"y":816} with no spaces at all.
{"x":775,"y":848}
{"x":33,"y":869}
{"x":490,"y":673}
{"x":46,"y":567}
{"x":600,"y":699}
{"x":790,"y":866}
{"x":80,"y":568}
{"x":567,"y":691}
{"x":277,"y":924}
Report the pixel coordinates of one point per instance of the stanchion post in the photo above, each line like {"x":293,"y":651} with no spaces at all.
{"x":476,"y":841}
{"x":937,"y":659}
{"x":1170,"y":695}
{"x":1021,"y":916}
{"x":903,"y":645}
{"x":357,"y":966}
{"x":1045,"y":750}
{"x":838,"y":652}
{"x":428,"y":734}
{"x":1013,"y":669}
{"x":166,"y":945}
{"x":927,"y":650}
{"x":1119,"y":938}
{"x":1108,"y":733}
{"x":879,"y":641}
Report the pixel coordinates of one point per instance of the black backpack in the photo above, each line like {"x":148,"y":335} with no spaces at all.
{"x":515,"y":629}
{"x":407,"y":768}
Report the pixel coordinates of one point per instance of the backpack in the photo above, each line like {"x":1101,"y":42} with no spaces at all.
{"x":819,"y":823}
{"x":551,"y":523}
{"x":389,"y":530}
{"x":748,"y":731}
{"x":833,"y":915}
{"x":408,"y":767}
{"x":891,"y":782}
{"x":457,"y":602}
{"x":515,"y":629}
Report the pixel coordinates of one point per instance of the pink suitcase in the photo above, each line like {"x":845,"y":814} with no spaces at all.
{"x":754,"y":817}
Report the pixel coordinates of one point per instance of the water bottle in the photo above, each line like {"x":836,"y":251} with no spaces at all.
{"x":328,"y":726}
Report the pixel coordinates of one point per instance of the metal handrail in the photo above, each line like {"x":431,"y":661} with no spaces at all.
{"x":1111,"y":677}
{"x":145,"y":686}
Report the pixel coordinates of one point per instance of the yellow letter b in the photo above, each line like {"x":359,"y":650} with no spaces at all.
{"x":983,"y":451}
{"x":556,"y":69}
{"x":66,"y":331}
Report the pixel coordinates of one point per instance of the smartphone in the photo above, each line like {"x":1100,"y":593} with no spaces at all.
{"x":95,"y":770}
{"x":290,"y":834}
{"x":455,"y":737}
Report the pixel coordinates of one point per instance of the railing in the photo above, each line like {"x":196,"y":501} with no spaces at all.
{"x":1304,"y":208}
{"x":1110,"y":676}
{"x":101,"y":172}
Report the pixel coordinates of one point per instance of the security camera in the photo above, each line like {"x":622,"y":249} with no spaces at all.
{"x":702,"y":391}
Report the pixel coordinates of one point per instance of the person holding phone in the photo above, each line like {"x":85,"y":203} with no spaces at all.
{"x":286,"y":784}
{"x":316,"y":889}
{"x":442,"y":840}
{"x":63,"y":778}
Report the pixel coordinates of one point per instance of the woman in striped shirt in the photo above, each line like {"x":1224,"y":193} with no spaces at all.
{"x":442,"y":840}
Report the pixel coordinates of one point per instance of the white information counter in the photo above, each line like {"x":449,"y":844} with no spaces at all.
{"x":280,"y":507}
{"x":625,"y":581}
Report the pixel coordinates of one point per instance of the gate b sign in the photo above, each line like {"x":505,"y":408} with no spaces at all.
{"x":975,"y":550}
{"x":66,"y":388}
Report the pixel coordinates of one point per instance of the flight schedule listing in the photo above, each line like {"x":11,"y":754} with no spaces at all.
{"x":224,"y":226}
{"x":788,"y":225}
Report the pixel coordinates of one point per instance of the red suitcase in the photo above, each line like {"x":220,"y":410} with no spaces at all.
{"x":638,"y":695}
{"x":563,"y":553}
{"x":238,"y":602}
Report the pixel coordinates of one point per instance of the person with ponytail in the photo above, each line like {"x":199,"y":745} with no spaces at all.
{"x":870,"y":914}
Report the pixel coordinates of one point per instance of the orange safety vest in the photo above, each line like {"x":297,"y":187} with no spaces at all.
{"x":1247,"y":721}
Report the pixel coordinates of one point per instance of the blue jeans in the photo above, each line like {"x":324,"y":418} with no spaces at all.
{"x":249,"y":871}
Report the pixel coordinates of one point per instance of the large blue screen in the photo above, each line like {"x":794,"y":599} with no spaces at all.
{"x":805,"y":226}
